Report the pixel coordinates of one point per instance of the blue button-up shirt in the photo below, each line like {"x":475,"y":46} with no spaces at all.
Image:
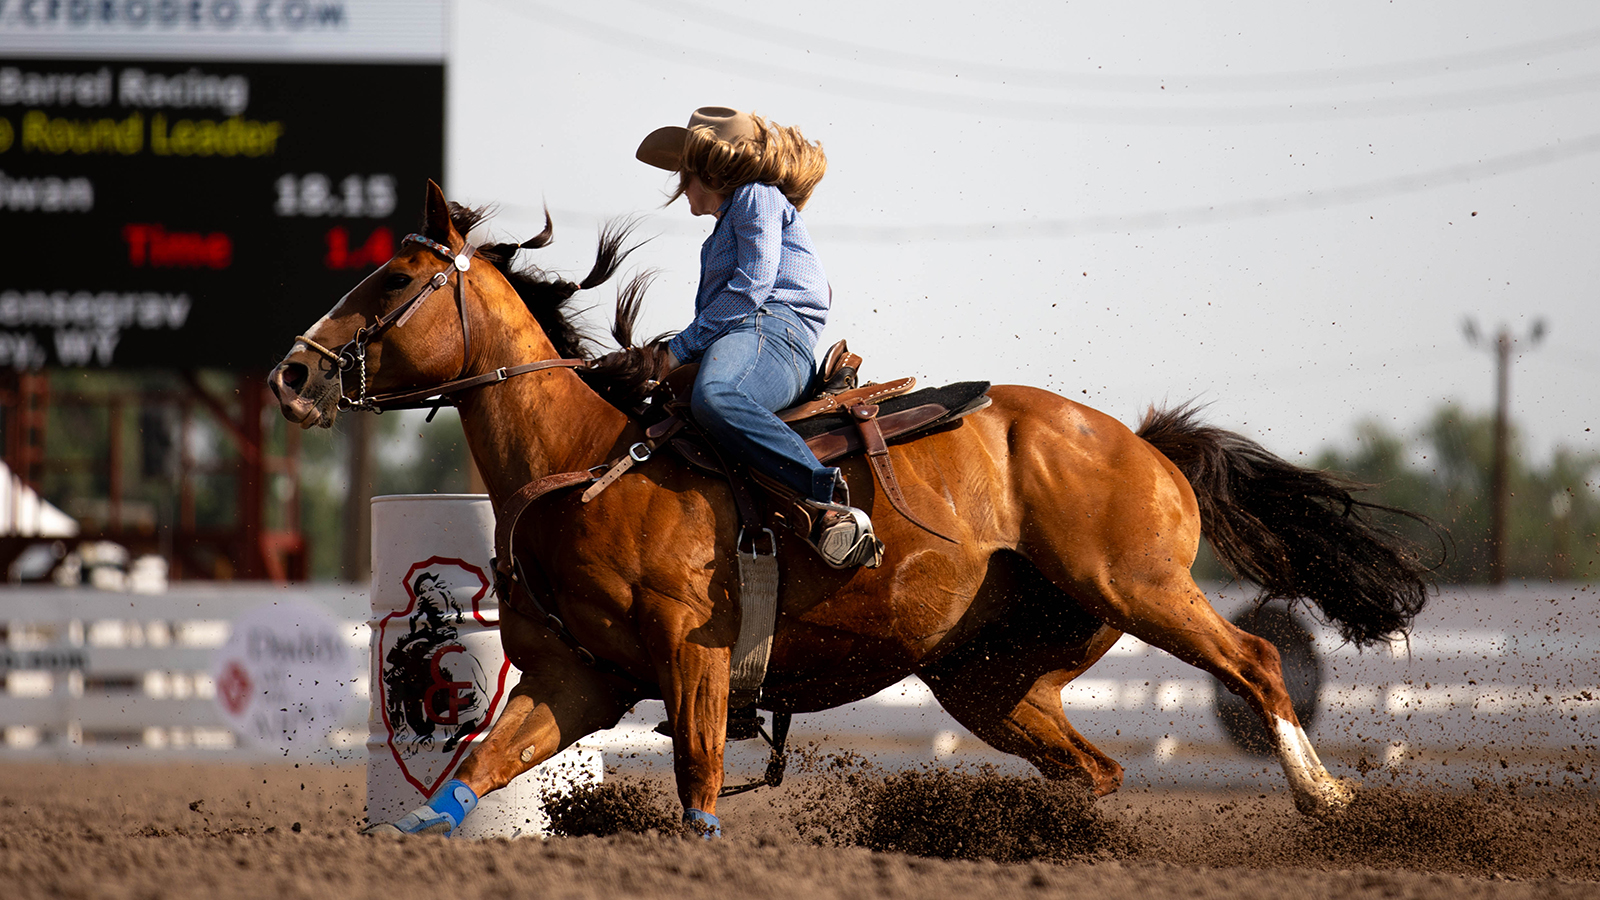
{"x":759,"y":252}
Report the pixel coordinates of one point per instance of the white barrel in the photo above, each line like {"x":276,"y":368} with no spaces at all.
{"x":439,"y":675}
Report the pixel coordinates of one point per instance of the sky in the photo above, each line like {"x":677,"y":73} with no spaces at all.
{"x":1287,"y":211}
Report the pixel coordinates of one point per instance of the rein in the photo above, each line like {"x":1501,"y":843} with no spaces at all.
{"x":353,"y":355}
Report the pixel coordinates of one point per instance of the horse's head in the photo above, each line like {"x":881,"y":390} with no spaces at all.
{"x":406,"y":325}
{"x":442,"y":311}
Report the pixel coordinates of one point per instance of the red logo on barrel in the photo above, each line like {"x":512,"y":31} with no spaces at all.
{"x":435,"y":695}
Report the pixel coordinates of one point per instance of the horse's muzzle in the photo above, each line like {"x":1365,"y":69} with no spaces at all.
{"x":307,"y":394}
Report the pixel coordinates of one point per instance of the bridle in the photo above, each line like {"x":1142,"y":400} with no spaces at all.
{"x":353,"y":355}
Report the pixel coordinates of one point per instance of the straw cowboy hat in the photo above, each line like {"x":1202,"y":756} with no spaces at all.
{"x":663,"y":148}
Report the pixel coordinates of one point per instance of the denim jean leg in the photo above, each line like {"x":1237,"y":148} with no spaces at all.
{"x":761,"y":366}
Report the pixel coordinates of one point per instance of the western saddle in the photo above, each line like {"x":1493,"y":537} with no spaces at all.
{"x":841,"y":419}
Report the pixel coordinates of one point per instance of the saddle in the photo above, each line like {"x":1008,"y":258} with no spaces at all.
{"x":841,"y":419}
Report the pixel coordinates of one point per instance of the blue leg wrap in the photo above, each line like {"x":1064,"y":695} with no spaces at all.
{"x":441,"y":815}
{"x":455,"y":800}
{"x":703,"y":823}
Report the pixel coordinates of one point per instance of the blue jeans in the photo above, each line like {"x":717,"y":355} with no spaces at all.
{"x":763,"y":365}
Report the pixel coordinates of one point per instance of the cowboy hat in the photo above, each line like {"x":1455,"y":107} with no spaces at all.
{"x":663,"y":148}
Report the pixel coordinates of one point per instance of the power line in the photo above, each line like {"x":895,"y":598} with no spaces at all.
{"x":1232,"y":211}
{"x":1304,"y":110}
{"x":889,"y":57}
{"x":1175,"y":217}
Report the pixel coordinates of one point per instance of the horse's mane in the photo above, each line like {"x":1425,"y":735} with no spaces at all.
{"x":623,"y":376}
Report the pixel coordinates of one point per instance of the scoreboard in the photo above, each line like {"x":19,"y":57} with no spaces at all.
{"x":195,"y":191}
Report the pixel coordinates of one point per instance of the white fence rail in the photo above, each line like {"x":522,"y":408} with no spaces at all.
{"x":89,"y":671}
{"x":1488,"y":673}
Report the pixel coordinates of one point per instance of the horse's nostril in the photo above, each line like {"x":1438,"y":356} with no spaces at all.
{"x":290,"y":375}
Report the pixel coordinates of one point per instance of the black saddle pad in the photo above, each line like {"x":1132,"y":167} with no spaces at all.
{"x":951,"y":396}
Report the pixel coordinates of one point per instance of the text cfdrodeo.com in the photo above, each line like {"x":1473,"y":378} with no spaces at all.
{"x":206,"y":15}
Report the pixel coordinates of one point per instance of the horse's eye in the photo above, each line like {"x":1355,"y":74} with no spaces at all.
{"x":395,"y":281}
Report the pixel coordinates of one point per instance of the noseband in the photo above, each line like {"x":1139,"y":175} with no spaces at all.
{"x":353,"y":355}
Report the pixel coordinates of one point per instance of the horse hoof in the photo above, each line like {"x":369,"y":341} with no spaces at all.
{"x":1330,"y":800}
{"x":703,"y":824}
{"x":422,"y":820}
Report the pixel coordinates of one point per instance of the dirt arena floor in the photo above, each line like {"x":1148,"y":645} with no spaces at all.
{"x":232,"y":831}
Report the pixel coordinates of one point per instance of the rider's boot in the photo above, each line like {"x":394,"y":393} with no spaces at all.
{"x":842,"y":534}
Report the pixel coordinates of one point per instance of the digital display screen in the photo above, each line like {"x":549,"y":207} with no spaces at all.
{"x":200,"y":213}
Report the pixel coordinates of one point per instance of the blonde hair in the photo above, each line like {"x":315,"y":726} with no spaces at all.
{"x":778,"y":155}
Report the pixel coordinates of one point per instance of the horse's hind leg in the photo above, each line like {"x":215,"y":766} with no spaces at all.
{"x":1012,"y":702}
{"x":1173,"y":614}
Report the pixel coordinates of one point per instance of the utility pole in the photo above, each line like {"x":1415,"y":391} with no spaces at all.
{"x":1500,"y":467}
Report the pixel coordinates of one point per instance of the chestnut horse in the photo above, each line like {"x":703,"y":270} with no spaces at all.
{"x":1070,"y":529}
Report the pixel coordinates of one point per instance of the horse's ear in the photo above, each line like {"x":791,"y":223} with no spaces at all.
{"x":436,"y":215}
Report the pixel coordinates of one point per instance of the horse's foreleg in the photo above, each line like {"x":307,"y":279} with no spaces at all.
{"x":542,"y":717}
{"x":691,"y":660}
{"x":558,"y":700}
{"x":695,"y":692}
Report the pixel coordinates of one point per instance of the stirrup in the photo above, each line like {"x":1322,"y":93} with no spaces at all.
{"x":848,"y":541}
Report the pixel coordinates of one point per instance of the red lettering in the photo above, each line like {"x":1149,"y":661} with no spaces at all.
{"x":458,"y":695}
{"x":375,"y":250}
{"x":135,"y":236}
{"x":379,"y":246}
{"x":338,"y":248}
{"x":158,"y":248}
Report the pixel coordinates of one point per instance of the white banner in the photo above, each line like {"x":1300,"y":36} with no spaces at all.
{"x":258,"y":30}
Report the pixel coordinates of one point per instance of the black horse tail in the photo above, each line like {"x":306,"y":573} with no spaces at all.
{"x":1298,"y":533}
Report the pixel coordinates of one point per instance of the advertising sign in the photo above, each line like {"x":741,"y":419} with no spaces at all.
{"x":193,"y":183}
{"x":284,"y":676}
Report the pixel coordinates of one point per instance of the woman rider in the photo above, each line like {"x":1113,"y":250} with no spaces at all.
{"x":762,"y":302}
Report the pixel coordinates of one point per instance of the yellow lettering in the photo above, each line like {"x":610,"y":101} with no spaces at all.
{"x":158,"y":135}
{"x":268,"y":139}
{"x":42,"y":134}
{"x":35,"y":129}
{"x":132,"y":135}
{"x":182,"y":137}
{"x":236,"y":136}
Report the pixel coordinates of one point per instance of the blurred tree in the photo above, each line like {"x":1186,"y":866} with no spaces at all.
{"x":420,"y":457}
{"x":323,"y":489}
{"x":1444,"y":473}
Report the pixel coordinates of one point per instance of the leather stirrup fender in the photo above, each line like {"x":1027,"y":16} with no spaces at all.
{"x":866,"y":417}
